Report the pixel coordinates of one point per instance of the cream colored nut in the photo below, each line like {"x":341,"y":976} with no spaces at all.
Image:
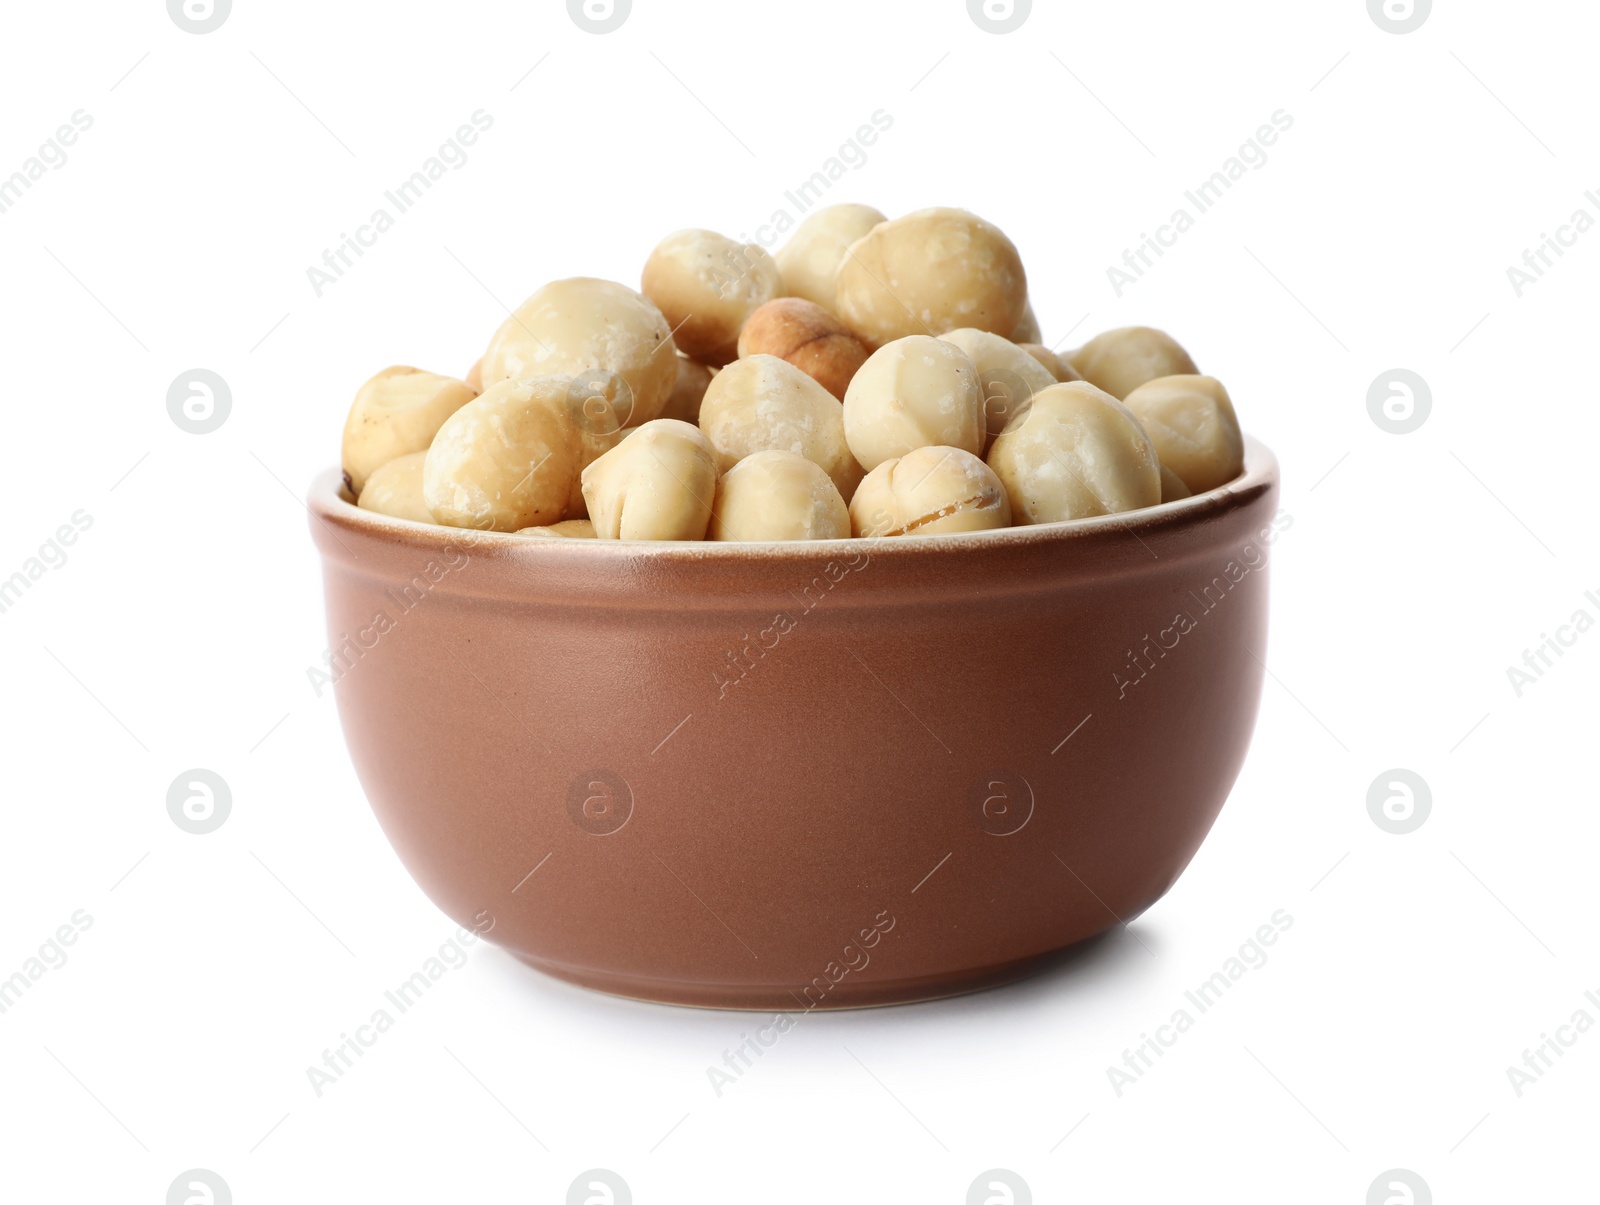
{"x":929,"y":491}
{"x":395,"y":413}
{"x":1191,"y":422}
{"x":1027,"y":330}
{"x":913,"y":393}
{"x":1172,"y":486}
{"x":808,"y":336}
{"x":567,"y":529}
{"x":1078,"y":452}
{"x":1121,"y":360}
{"x":598,"y":403}
{"x":929,"y":272}
{"x":707,"y":285}
{"x":396,"y":489}
{"x":658,"y":484}
{"x":574,"y":326}
{"x":506,"y":459}
{"x":776,"y":495}
{"x":764,"y":403}
{"x":1055,"y":365}
{"x":1008,"y":375}
{"x":810,"y":260}
{"x":474,"y":378}
{"x":693,"y":379}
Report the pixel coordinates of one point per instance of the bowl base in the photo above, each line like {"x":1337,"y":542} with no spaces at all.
{"x":756,"y":997}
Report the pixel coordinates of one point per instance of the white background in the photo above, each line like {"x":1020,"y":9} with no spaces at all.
{"x":1417,"y":569}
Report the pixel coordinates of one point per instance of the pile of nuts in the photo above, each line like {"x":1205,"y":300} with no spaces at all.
{"x":874,"y":378}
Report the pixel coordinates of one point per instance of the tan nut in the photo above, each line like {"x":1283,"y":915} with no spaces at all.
{"x":1055,"y":365}
{"x":396,"y":489}
{"x":394,"y":414}
{"x":1027,"y":329}
{"x":1172,"y":486}
{"x":810,"y":260}
{"x":929,"y":491}
{"x":567,"y":529}
{"x":929,"y":272}
{"x":506,"y":459}
{"x":579,"y":325}
{"x":913,"y":393}
{"x":693,"y":379}
{"x":1008,"y":375}
{"x":657,"y":484}
{"x":776,"y":495}
{"x":1078,"y":452}
{"x":707,"y":285}
{"x":1119,"y":361}
{"x":474,"y":378}
{"x":808,"y":336}
{"x":1191,"y":422}
{"x":763,"y":403}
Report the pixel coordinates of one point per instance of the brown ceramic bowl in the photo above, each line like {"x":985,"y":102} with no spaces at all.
{"x":787,"y":776}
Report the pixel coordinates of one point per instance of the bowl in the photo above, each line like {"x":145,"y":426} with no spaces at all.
{"x":803,"y":775}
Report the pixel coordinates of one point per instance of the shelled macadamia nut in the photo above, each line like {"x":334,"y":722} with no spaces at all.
{"x":693,"y":380}
{"x":474,"y":378}
{"x":397,"y":412}
{"x":598,"y":403}
{"x":808,"y":336}
{"x":776,"y":495}
{"x":707,"y":285}
{"x":1027,"y":330}
{"x":1121,"y":360}
{"x":810,"y":260}
{"x":1078,"y":452}
{"x":1191,"y":422}
{"x":506,"y":459}
{"x":1055,"y":365}
{"x":761,"y":403}
{"x":1172,"y":486}
{"x":567,"y":529}
{"x":913,"y":393}
{"x":929,"y":491}
{"x":657,"y":484}
{"x":930,"y":272}
{"x":1008,"y":375}
{"x":574,"y":326}
{"x":395,"y":489}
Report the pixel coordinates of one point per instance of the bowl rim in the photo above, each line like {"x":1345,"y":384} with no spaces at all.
{"x":327,"y":502}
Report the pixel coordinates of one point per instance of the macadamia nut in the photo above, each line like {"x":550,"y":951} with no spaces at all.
{"x":913,"y":393}
{"x":707,"y":285}
{"x":397,"y":412}
{"x":1055,"y":365}
{"x":776,"y":495}
{"x":1008,"y":375}
{"x":567,"y":529}
{"x":506,"y":459}
{"x":929,"y":491}
{"x":693,"y":380}
{"x":570,"y":327}
{"x":657,"y":484}
{"x":929,"y":272}
{"x":810,"y":260}
{"x":808,"y":336}
{"x":1191,"y":422}
{"x":763,"y":403}
{"x":1172,"y":486}
{"x":1027,"y":330}
{"x":395,"y":489}
{"x":1078,"y":452}
{"x":1121,"y":360}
